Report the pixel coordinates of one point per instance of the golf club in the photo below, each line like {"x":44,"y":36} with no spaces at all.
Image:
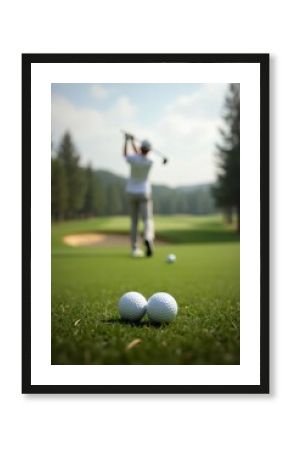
{"x":157,"y":152}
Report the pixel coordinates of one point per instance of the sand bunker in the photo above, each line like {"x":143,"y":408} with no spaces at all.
{"x":96,"y":240}
{"x":99,"y":240}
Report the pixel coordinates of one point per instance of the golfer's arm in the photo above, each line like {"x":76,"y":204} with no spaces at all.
{"x":134,"y":146}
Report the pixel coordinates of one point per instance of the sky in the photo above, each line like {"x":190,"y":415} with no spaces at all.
{"x":180,"y":120}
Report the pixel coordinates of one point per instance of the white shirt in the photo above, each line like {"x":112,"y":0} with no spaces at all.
{"x":138,"y":182}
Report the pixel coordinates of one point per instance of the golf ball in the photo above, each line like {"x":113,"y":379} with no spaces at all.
{"x":132,"y":306}
{"x":171,"y":258}
{"x":162,"y":307}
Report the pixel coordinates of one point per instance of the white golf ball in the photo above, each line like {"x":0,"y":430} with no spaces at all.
{"x":132,"y":306}
{"x":171,"y":258}
{"x":162,"y":307}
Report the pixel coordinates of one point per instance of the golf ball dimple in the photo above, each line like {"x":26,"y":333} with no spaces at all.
{"x":171,"y":258}
{"x":162,"y":307}
{"x":132,"y":306}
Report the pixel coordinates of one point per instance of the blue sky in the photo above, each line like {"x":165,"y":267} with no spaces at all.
{"x":181,"y":120}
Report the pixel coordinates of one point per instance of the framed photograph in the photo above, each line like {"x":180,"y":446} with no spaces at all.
{"x":145,"y":223}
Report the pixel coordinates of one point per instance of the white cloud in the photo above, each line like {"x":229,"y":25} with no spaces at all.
{"x":123,"y":107}
{"x":205,"y":102}
{"x":186,"y":132}
{"x":99,"y":92}
{"x":96,"y":133}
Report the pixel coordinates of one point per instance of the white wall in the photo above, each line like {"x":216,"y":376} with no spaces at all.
{"x":75,"y":422}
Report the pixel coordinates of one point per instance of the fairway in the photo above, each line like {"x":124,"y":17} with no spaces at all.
{"x":87,"y":283}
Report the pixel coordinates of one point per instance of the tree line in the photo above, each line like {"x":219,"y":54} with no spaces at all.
{"x":78,"y":191}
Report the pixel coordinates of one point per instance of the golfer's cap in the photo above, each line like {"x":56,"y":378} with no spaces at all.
{"x":146,"y":144}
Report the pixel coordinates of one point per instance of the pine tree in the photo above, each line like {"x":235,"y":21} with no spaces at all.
{"x":100,"y":196}
{"x":227,"y":189}
{"x":89,"y":207}
{"x":69,"y":157}
{"x":59,"y":194}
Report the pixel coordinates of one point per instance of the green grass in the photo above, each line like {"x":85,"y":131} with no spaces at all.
{"x":87,"y":283}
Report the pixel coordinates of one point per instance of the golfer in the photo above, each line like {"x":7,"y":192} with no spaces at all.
{"x":139,"y":192}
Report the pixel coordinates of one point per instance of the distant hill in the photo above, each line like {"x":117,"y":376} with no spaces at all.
{"x":192,"y":199}
{"x":193,"y":187}
{"x":106,"y":176}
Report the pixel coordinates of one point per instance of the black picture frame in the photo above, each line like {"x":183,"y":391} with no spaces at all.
{"x":263,"y":61}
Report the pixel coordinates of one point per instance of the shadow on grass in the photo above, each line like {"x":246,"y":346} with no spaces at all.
{"x":138,"y":324}
{"x":200,"y":236}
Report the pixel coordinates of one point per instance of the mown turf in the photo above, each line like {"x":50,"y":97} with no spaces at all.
{"x":87,"y":283}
